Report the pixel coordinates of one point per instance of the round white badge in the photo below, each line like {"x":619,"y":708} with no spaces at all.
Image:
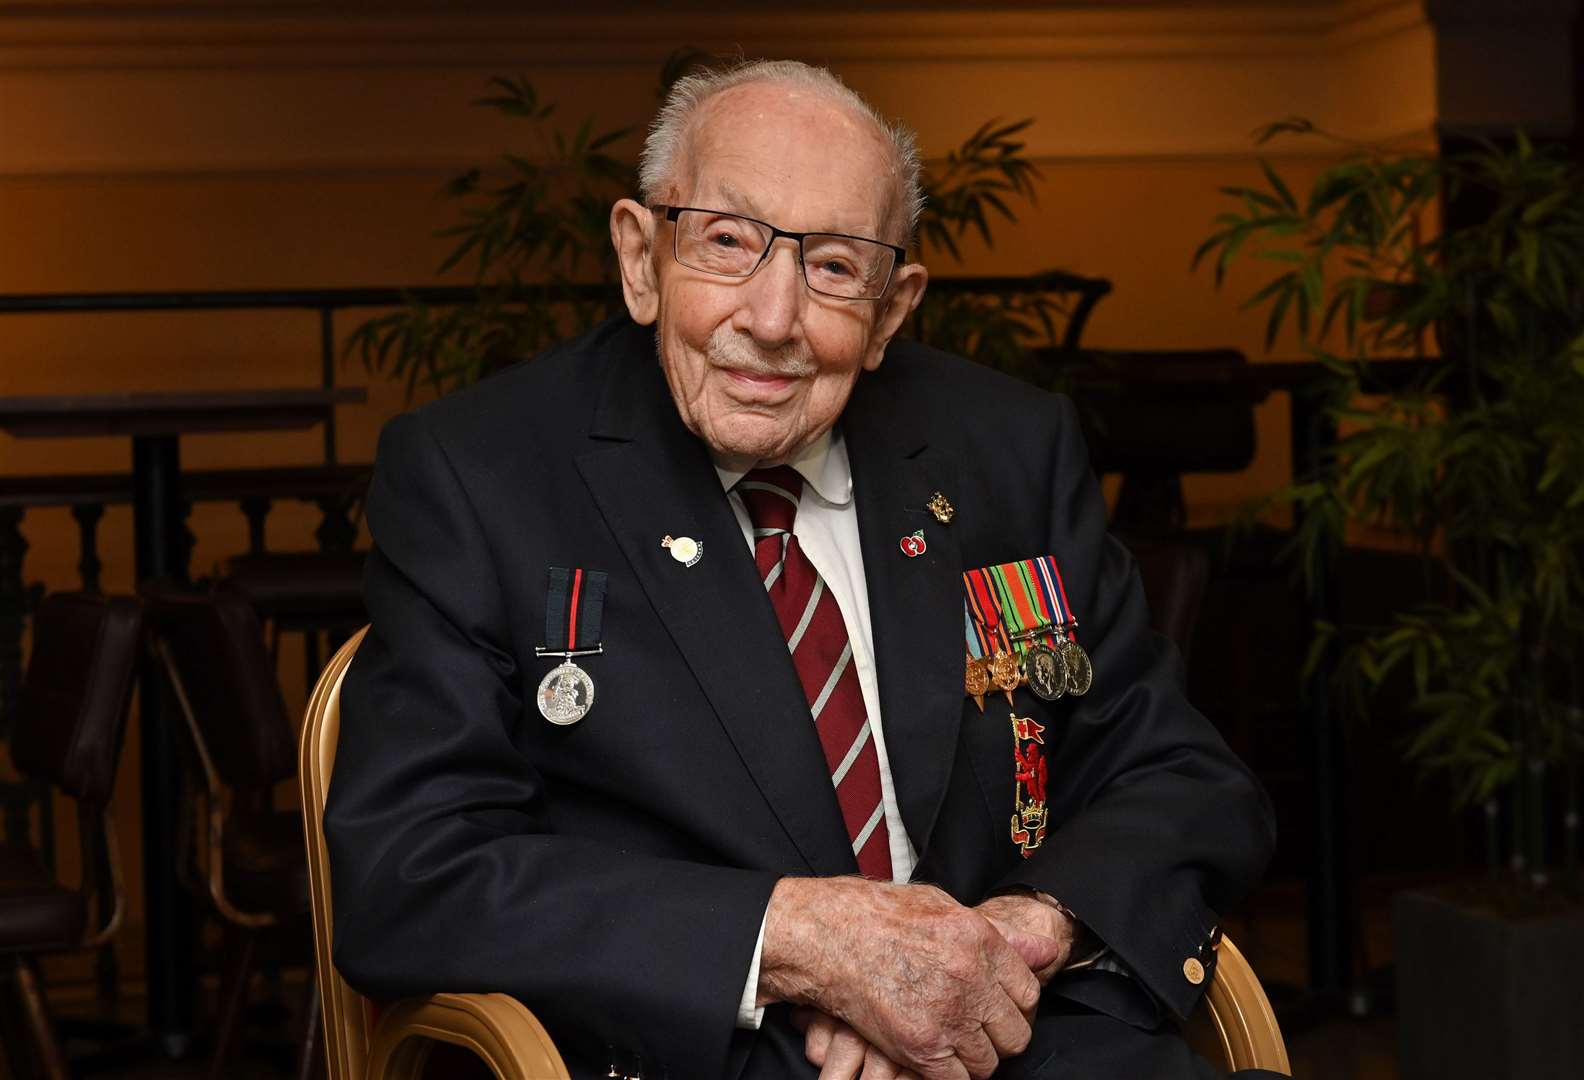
{"x":686,"y":550}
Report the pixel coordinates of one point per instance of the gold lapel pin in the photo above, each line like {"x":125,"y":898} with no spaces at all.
{"x":941,"y":507}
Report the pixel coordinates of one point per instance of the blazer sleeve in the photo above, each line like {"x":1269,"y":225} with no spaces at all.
{"x":1160,"y":824}
{"x":446,"y":874}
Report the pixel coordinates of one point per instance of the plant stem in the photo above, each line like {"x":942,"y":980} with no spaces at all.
{"x":1493,"y":860}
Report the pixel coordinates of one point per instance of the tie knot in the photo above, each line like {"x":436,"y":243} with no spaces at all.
{"x":771,"y":498}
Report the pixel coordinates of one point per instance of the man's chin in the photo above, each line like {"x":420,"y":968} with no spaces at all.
{"x":753,"y":438}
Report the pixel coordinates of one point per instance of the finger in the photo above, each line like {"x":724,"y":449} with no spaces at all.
{"x":1016,"y":979}
{"x":802,"y":1016}
{"x":817,"y":1039}
{"x":950,"y":1069}
{"x":845,"y":1057}
{"x":1006,"y":1030}
{"x":876,"y":1066}
{"x":978,"y":1055}
{"x":1035,"y":950}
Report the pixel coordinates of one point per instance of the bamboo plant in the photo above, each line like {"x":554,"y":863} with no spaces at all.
{"x":1479,"y":463}
{"x":536,"y":245}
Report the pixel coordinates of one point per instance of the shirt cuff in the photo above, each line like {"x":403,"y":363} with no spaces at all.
{"x":750,"y":1014}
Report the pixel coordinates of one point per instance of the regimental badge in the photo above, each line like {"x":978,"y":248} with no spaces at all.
{"x":941,"y":507}
{"x":574,"y":612}
{"x":1047,"y":671}
{"x":1029,"y":812}
{"x":684,"y":549}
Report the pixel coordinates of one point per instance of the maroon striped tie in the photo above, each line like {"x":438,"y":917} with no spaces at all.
{"x":812,"y":622}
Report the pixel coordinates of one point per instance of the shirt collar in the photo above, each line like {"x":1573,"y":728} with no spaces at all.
{"x":823,"y":464}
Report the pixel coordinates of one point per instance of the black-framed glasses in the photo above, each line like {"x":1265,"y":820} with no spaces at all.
{"x":730,"y":245}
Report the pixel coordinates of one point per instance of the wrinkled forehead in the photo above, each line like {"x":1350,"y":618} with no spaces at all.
{"x":790,"y":156}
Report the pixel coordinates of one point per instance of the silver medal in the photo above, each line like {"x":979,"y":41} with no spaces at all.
{"x":566,"y":694}
{"x":1047,"y":672}
{"x":1080,"y":672}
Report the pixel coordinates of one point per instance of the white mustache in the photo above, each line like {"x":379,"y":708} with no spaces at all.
{"x":730,"y":349}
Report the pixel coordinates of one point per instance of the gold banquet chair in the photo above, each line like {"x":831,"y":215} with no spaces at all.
{"x":396,"y":1045}
{"x":1236,"y":1027}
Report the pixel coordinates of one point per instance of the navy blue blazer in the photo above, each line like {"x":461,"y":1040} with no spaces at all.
{"x":613,"y":874}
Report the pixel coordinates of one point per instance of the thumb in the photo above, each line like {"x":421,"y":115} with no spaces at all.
{"x":1035,"y":950}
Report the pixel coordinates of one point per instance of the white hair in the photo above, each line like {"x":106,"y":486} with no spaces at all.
{"x":668,"y":135}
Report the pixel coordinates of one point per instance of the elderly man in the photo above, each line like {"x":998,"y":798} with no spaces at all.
{"x":757,"y":696}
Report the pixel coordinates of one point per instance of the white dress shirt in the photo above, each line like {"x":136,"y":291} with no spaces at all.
{"x":826,"y":528}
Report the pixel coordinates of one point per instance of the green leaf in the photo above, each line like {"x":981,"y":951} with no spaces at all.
{"x":1283,"y":192}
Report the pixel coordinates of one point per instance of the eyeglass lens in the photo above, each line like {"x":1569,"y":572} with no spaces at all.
{"x":732,"y":246}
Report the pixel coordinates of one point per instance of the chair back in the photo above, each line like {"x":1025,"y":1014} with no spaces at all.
{"x":348,"y":1015}
{"x":75,"y":694}
{"x":1237,"y":1027}
{"x":214,"y":646}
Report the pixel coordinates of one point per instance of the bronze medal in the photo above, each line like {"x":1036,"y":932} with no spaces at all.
{"x":976,"y":681}
{"x":1004,"y":671}
{"x":1047,"y":670}
{"x":1080,"y":672}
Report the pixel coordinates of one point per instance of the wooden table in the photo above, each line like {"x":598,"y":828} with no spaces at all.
{"x":156,"y":421}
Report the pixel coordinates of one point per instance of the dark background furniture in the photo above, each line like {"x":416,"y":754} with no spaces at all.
{"x":68,"y":733}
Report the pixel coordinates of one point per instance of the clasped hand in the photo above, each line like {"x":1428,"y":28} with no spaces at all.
{"x":901,"y":981}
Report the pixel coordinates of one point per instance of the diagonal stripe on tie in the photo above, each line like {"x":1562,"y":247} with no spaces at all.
{"x":808,"y":616}
{"x":830,"y":684}
{"x":816,"y":636}
{"x":852,"y":755}
{"x":869,"y":827}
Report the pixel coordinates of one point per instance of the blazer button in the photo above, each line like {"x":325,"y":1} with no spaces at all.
{"x":1193,"y":970}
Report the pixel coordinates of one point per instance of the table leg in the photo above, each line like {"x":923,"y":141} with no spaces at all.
{"x":168,"y":914}
{"x":1330,"y":915}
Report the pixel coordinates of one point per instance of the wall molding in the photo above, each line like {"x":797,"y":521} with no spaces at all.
{"x":207,"y":88}
{"x":224,"y":36}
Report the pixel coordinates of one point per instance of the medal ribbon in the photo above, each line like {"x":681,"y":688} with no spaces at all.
{"x":574,"y":608}
{"x":1000,"y":601}
{"x":985,"y":632}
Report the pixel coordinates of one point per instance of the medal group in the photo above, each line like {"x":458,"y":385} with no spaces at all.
{"x":1020,"y":631}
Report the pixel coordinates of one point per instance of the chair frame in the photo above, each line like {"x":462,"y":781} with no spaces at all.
{"x":211,"y":824}
{"x":103,"y":886}
{"x":1236,"y":1025}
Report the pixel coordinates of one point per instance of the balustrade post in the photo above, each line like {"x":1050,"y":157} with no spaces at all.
{"x":187,"y":539}
{"x":88,"y":563}
{"x":336,"y":532}
{"x":256,"y":509}
{"x":13,"y":613}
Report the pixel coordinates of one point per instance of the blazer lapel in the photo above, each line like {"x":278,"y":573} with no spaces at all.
{"x":915,"y":604}
{"x":650,"y":476}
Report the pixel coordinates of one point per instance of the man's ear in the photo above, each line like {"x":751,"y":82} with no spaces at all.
{"x":907,"y":289}
{"x":632,"y":235}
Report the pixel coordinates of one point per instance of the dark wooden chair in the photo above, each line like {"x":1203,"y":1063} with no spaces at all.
{"x":248,"y":862}
{"x":68,"y":732}
{"x":1176,"y":574}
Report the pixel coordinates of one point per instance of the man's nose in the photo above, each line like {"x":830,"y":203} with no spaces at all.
{"x":775,"y":296}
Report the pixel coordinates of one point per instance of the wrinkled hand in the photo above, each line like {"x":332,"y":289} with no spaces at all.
{"x":842,"y":1053}
{"x":1020,"y":916}
{"x":933,"y":986}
